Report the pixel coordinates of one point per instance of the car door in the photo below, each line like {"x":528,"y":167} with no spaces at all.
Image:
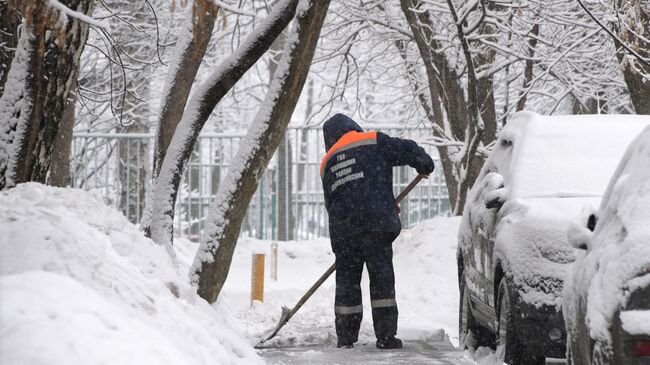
{"x":477,"y":249}
{"x":484,"y":221}
{"x":501,"y":164}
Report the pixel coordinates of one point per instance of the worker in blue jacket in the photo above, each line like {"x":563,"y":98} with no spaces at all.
{"x":357,"y":176}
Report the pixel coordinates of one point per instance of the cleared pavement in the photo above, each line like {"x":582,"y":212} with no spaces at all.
{"x":434,"y":351}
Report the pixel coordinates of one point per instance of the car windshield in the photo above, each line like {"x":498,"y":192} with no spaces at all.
{"x":562,"y":159}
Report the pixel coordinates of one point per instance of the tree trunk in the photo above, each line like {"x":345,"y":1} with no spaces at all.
{"x":132,"y":171}
{"x":433,"y":110}
{"x":60,"y":169}
{"x":464,"y":113}
{"x":528,"y":70}
{"x":213,"y":260}
{"x":138,"y":54}
{"x":284,"y":186}
{"x":635,"y":73}
{"x":192,"y":44}
{"x":39,"y":83}
{"x":203,"y":102}
{"x":470,"y":163}
{"x":485,"y":84}
{"x":9,"y":22}
{"x":285,"y":191}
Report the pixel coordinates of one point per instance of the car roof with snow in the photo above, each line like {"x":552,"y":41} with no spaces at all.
{"x":565,"y":156}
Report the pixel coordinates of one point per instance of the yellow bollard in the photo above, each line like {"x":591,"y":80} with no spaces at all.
{"x":257,"y":278}
{"x":274,"y":261}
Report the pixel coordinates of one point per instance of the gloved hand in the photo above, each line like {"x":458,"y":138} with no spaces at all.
{"x":425,"y":164}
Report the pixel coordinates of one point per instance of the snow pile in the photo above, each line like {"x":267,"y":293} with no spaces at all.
{"x":80,"y":284}
{"x":618,"y":261}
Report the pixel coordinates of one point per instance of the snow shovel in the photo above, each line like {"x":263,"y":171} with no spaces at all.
{"x":288,"y":313}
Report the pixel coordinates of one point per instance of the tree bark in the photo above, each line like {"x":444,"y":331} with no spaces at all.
{"x":485,"y":83}
{"x":41,"y":79}
{"x":60,"y":169}
{"x":470,"y":163}
{"x":213,"y":260}
{"x":443,"y":81}
{"x":192,"y":45}
{"x":9,"y":22}
{"x":285,"y":191}
{"x":284,"y":184}
{"x":203,"y":102}
{"x":635,"y":73}
{"x":529,"y":68}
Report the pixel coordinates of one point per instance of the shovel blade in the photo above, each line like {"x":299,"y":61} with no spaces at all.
{"x":284,"y":318}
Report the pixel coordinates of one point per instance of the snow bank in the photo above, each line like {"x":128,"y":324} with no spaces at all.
{"x":80,"y":284}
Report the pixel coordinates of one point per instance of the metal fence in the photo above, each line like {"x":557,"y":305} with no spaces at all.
{"x":288,"y":203}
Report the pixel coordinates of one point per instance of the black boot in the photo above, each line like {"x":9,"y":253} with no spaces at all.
{"x":344,"y":344}
{"x":388,"y":343}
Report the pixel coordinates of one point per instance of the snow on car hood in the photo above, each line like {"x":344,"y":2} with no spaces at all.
{"x":531,"y":243}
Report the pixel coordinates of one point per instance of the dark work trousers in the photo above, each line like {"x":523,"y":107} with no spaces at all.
{"x":376,"y":251}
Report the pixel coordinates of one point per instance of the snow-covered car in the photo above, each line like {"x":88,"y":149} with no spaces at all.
{"x":607,"y":293}
{"x":513,"y":251}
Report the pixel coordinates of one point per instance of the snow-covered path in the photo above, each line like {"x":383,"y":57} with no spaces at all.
{"x":426,"y":288}
{"x":433,"y":351}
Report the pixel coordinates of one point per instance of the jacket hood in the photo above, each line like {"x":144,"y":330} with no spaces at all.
{"x":335,"y":127}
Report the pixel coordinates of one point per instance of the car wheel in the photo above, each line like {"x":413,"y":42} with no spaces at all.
{"x":471,"y":334}
{"x":509,"y":347}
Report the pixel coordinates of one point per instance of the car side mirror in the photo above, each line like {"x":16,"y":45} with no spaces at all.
{"x":494,"y":192}
{"x":495,"y":200}
{"x":581,"y":230}
{"x":591,"y":222}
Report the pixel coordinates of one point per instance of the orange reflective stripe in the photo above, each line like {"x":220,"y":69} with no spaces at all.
{"x":346,"y":139}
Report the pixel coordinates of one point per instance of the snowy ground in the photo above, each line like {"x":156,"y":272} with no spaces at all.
{"x":427,"y":304}
{"x":79,"y":284}
{"x":426,"y":288}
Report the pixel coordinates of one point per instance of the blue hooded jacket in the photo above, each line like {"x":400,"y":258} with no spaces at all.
{"x":357,"y":176}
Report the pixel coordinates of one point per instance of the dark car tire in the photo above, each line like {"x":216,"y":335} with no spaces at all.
{"x":470,"y":333}
{"x":509,"y":347}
